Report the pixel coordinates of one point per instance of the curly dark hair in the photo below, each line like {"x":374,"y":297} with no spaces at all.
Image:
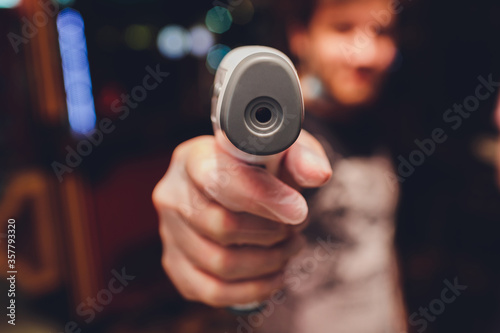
{"x":301,"y":11}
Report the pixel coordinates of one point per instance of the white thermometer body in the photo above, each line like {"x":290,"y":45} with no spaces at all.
{"x":257,"y":110}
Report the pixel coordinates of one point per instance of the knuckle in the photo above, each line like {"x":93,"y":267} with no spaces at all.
{"x":182,"y":148}
{"x":209,"y":188}
{"x":213,"y":294}
{"x":221,"y":226}
{"x":163,"y":195}
{"x":158,"y":197}
{"x":205,"y":173}
{"x":220,"y":263}
{"x":177,"y":153}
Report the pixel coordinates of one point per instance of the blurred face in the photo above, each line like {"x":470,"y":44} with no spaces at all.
{"x":350,"y":46}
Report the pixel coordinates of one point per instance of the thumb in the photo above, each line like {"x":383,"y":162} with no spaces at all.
{"x":307,"y":163}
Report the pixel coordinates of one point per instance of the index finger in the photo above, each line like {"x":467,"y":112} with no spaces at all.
{"x":243,"y":188}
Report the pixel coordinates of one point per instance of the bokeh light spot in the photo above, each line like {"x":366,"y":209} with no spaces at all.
{"x":243,"y":13}
{"x":202,"y":40}
{"x":312,"y":87}
{"x":218,"y":20}
{"x":215,"y":56}
{"x":9,"y":3}
{"x":174,"y":42}
{"x":138,"y":37}
{"x":65,"y":2}
{"x":76,"y":73}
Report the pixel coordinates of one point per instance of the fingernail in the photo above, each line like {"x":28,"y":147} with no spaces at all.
{"x":293,"y":209}
{"x":317,"y":160}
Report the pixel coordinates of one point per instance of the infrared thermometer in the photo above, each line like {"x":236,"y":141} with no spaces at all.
{"x":257,"y":105}
{"x":257,"y":110}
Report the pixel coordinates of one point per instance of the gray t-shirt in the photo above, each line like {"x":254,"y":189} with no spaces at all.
{"x":346,"y":280}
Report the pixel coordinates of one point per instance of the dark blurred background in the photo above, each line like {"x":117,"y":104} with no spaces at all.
{"x":80,"y":224}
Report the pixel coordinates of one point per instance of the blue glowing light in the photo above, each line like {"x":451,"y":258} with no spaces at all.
{"x":65,"y":2}
{"x":76,"y":73}
{"x":9,"y":3}
{"x":215,"y":56}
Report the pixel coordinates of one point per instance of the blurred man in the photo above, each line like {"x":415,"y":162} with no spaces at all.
{"x":234,"y":234}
